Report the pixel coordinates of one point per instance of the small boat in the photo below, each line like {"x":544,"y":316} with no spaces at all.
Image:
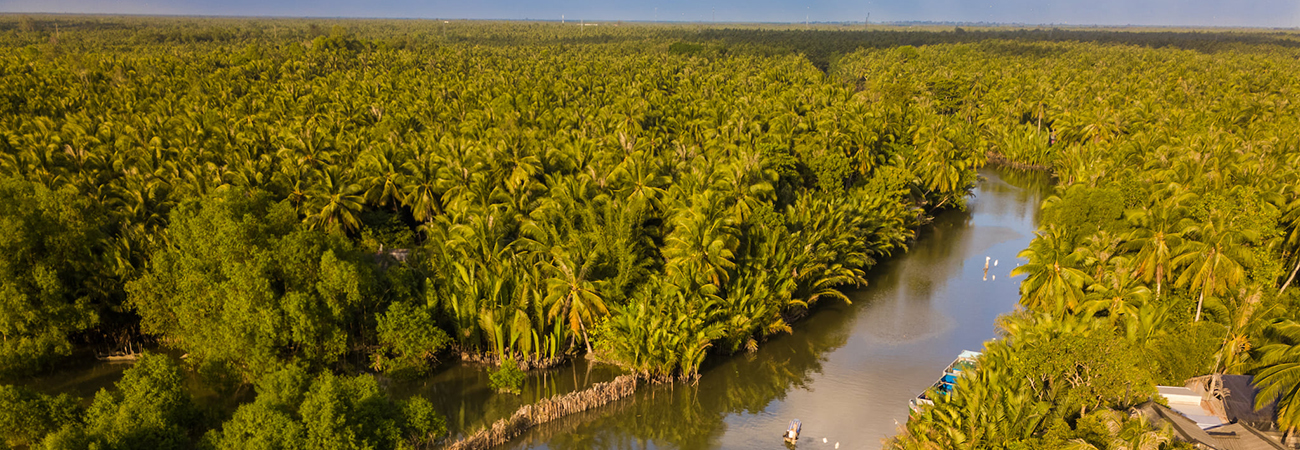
{"x":948,"y":381}
{"x":792,"y":434}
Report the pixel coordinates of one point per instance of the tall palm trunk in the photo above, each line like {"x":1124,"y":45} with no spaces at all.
{"x":1201,"y":301}
{"x":1291,"y":278}
{"x":583,"y":327}
{"x":1160,"y":276}
{"x":568,"y":304}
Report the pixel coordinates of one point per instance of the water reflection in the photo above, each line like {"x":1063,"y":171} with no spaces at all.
{"x":848,"y":370}
{"x":460,"y":391}
{"x":80,"y":378}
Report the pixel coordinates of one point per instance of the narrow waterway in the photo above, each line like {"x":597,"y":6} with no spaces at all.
{"x":848,"y":371}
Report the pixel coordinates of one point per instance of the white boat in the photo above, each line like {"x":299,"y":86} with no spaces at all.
{"x":791,"y":435}
{"x":948,"y":381}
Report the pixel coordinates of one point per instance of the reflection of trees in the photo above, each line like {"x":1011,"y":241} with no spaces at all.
{"x":462,"y":395}
{"x":460,"y":392}
{"x":1022,"y":192}
{"x":1030,"y":182}
{"x":691,"y":416}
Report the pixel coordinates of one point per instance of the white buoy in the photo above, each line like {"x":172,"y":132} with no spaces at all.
{"x":995,"y":263}
{"x":823,"y":440}
{"x":995,"y":278}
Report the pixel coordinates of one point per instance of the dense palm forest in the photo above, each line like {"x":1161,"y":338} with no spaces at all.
{"x":297,"y":205}
{"x":331,"y":203}
{"x":1169,"y":250}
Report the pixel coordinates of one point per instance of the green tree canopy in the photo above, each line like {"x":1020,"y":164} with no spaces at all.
{"x":149,"y":408}
{"x":51,"y":286}
{"x":294,"y":411}
{"x":243,"y":282}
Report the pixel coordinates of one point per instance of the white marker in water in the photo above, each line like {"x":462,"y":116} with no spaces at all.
{"x":995,"y":263}
{"x":823,"y":440}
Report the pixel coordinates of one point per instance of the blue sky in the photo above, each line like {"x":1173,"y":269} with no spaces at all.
{"x":1256,"y":13}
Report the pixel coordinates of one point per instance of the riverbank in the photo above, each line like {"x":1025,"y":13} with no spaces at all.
{"x":847,"y":370}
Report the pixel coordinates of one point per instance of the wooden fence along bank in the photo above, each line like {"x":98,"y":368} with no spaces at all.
{"x":547,"y":410}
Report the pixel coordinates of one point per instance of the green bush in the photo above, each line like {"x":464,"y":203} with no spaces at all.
{"x":149,"y":408}
{"x":26,"y":416}
{"x":508,"y":377}
{"x":409,"y":338}
{"x":1186,"y":352}
{"x":293,"y":410}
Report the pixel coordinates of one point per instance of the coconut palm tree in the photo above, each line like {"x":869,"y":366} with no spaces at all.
{"x":1157,"y":236}
{"x":335,"y":203}
{"x":1212,"y":265}
{"x":422,"y":187}
{"x":382,"y":177}
{"x":703,"y":240}
{"x":1117,"y":293}
{"x":1054,"y":282}
{"x":573,"y":298}
{"x":1277,"y":374}
{"x":1291,"y":239}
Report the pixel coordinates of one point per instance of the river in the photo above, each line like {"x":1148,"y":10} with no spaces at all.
{"x":848,"y":371}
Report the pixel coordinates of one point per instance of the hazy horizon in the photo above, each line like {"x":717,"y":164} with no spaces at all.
{"x":1171,"y":13}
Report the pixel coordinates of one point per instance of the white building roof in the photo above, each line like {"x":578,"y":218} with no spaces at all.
{"x":1188,"y":403}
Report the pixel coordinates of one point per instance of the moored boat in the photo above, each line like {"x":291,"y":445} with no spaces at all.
{"x":948,"y":381}
{"x":792,"y":434}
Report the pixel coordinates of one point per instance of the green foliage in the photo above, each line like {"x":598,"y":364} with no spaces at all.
{"x":243,"y":283}
{"x":534,"y":198}
{"x":1047,"y":386}
{"x":685,"y":48}
{"x":385,"y":230}
{"x":293,"y":410}
{"x":26,"y":416}
{"x":1055,"y":281}
{"x":507,"y":377}
{"x":1081,"y":372}
{"x":52,"y":282}
{"x":149,"y":408}
{"x":664,"y":330}
{"x":410,"y":339}
{"x":1277,"y":374}
{"x":1185,"y":352}
{"x":949,"y":94}
{"x":424,"y":426}
{"x":1114,"y":430}
{"x":607,"y":189}
{"x":1082,"y":212}
{"x":1172,"y":212}
{"x":992,"y":408}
